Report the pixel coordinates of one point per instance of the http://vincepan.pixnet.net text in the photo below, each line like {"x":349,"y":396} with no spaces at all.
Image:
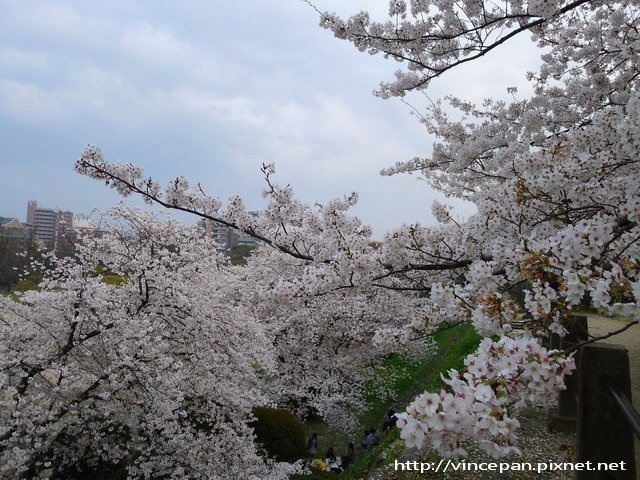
{"x":504,"y":467}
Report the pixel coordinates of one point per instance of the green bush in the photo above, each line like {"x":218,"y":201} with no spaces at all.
{"x":31,"y":282}
{"x":114,"y":279}
{"x":280,"y":433}
{"x":239,"y":254}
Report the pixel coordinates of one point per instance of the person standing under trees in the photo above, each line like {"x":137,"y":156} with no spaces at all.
{"x":312,"y":445}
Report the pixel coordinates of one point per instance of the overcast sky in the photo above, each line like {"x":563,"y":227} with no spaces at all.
{"x":211,"y":90}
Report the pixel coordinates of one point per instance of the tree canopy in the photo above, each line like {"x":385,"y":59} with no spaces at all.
{"x":554,"y":178}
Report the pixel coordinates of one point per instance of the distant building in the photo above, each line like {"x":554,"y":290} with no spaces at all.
{"x":14,"y":223}
{"x":242,"y":238}
{"x":221,"y":233}
{"x":228,"y":237}
{"x":13,"y":228}
{"x":44,"y":222}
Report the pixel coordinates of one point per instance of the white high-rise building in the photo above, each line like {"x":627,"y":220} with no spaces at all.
{"x":44,"y":222}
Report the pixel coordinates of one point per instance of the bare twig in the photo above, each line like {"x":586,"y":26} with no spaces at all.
{"x":595,"y":339}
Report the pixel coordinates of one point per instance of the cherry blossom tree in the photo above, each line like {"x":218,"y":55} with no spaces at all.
{"x":146,"y":353}
{"x":328,"y":355}
{"x":554,"y":178}
{"x":132,"y":357}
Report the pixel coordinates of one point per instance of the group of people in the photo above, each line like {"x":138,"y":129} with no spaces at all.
{"x":372,"y":436}
{"x":332,"y":462}
{"x":337,"y":464}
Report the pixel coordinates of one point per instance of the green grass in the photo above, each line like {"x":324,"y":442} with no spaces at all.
{"x":12,"y":295}
{"x":453,"y":345}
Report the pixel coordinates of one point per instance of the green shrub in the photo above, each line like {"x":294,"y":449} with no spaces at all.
{"x":114,"y":279}
{"x":31,"y":282}
{"x":280,"y":433}
{"x":239,"y":254}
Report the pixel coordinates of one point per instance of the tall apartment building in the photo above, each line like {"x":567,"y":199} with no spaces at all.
{"x":44,"y":222}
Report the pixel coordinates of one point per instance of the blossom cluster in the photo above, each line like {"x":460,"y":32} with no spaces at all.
{"x":476,"y":404}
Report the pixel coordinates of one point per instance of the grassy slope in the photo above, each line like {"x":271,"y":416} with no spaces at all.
{"x":413,"y":378}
